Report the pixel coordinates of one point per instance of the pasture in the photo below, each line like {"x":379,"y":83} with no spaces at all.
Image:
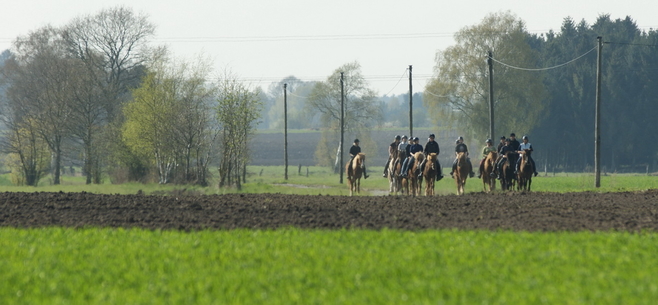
{"x":566,"y":243}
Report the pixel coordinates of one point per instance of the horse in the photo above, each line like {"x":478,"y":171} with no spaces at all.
{"x":411,"y":183}
{"x":429,"y":173}
{"x":393,"y":172}
{"x":525,"y":172}
{"x":354,"y":178}
{"x":488,"y":182}
{"x":464,"y":168}
{"x":507,"y":175}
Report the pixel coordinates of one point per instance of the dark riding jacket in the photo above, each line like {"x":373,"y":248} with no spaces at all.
{"x":354,"y":150}
{"x":514,"y":144}
{"x":432,"y":147}
{"x":461,"y":147}
{"x":415,"y":148}
{"x":505,"y":149}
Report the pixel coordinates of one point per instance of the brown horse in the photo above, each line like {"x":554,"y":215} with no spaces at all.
{"x":507,"y":175}
{"x":525,"y":172}
{"x":411,"y":184}
{"x":393,"y":172}
{"x":489,"y":183}
{"x":354,"y":177}
{"x":429,"y":173}
{"x":464,"y":168}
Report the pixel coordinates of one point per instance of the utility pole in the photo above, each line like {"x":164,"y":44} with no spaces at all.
{"x":491,"y":97}
{"x":342,"y":125}
{"x":597,"y":121}
{"x":411,"y":105}
{"x":491,"y":116}
{"x":285,"y":129}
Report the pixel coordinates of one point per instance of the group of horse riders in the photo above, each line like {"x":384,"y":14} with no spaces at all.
{"x":406,"y":150}
{"x":508,"y":149}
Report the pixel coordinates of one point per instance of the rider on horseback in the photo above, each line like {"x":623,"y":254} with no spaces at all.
{"x":485,"y":152}
{"x":431,"y":147}
{"x":461,"y":147}
{"x":392,"y":148}
{"x":413,"y":148}
{"x":355,"y":150}
{"x":502,"y":158}
{"x":525,"y":146}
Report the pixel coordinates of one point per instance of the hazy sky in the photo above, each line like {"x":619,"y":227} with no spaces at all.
{"x":262,"y":41}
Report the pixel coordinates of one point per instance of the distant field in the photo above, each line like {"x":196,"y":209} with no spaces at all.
{"x":321,"y":180}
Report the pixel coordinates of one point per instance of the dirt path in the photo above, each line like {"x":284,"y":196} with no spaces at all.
{"x":528,"y":212}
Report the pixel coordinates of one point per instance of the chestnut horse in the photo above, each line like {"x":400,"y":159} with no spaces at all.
{"x":525,"y":172}
{"x":464,"y":168}
{"x":354,"y":178}
{"x":489,"y":183}
{"x":429,"y":173}
{"x":393,"y":172}
{"x":411,"y":184}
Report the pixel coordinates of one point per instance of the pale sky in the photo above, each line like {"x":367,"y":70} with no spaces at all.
{"x":263,"y":41}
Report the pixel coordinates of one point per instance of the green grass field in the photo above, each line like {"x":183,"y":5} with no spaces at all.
{"x":293,"y":266}
{"x":290,"y":266}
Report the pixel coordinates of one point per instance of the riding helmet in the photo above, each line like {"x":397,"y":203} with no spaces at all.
{"x":460,"y":138}
{"x":416,"y":139}
{"x":512,"y":135}
{"x":432,"y":135}
{"x":356,"y":140}
{"x":488,"y":141}
{"x":525,"y":138}
{"x":502,"y":138}
{"x":404,"y":136}
{"x":397,"y":137}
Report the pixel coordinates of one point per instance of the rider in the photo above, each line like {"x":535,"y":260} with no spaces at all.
{"x":460,"y":147}
{"x":432,"y":147}
{"x":525,"y":146}
{"x":413,"y":148}
{"x":391,"y":150}
{"x":485,"y":151}
{"x":503,"y":157}
{"x":501,"y":144}
{"x":355,"y":150}
{"x":514,"y":144}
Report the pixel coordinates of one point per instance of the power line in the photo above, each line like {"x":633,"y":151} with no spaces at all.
{"x":632,"y":44}
{"x":399,"y":80}
{"x":543,"y":69}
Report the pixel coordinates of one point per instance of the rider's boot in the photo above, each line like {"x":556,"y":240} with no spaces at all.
{"x":365,"y":174}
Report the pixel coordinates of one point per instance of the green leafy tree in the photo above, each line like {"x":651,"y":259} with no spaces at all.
{"x":362,"y":110}
{"x":238,"y":112}
{"x":459,"y":91}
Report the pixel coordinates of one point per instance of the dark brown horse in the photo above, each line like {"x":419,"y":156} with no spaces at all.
{"x":507,"y":174}
{"x":354,"y":176}
{"x":464,"y":168}
{"x":489,"y":183}
{"x":429,"y":174}
{"x":525,"y":172}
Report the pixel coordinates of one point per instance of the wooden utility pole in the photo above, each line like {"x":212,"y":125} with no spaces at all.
{"x":411,"y":106}
{"x":342,"y":125}
{"x":597,"y":121}
{"x":491,"y":97}
{"x":285,"y":129}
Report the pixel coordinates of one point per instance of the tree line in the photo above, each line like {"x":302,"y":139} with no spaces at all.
{"x":545,"y":89}
{"x":94,"y":90}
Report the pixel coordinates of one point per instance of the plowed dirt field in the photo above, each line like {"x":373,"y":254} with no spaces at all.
{"x":520,"y":211}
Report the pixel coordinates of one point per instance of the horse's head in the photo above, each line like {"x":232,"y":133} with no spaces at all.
{"x":419,"y":156}
{"x":431,"y":157}
{"x":461,"y":158}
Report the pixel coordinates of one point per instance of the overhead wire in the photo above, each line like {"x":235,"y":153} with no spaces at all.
{"x":542,"y":69}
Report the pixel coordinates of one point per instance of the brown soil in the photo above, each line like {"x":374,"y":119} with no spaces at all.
{"x":518,"y":211}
